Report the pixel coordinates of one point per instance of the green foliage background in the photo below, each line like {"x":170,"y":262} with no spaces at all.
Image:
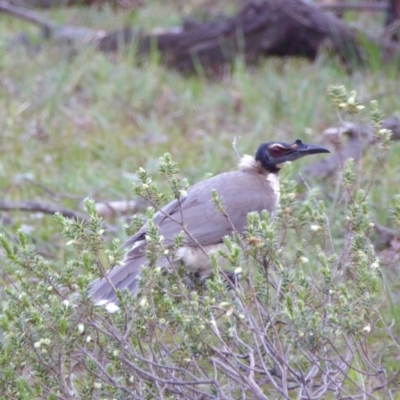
{"x":77,"y":124}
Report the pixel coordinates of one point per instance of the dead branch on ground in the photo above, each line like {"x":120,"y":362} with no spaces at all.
{"x":290,"y":28}
{"x":112,"y":209}
{"x":45,"y":4}
{"x":36,"y":207}
{"x":49,"y":209}
{"x":360,"y":139}
{"x":49,"y":29}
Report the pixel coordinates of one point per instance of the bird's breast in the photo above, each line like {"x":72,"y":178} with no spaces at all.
{"x":274,"y":183}
{"x":197,"y":260}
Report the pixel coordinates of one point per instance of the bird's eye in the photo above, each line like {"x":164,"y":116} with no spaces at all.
{"x":278,"y":151}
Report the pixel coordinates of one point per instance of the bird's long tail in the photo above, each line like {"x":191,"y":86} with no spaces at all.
{"x":122,"y":277}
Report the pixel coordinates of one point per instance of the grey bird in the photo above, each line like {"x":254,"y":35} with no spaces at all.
{"x":253,"y":187}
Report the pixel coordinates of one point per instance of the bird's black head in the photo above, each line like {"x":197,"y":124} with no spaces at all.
{"x":272,"y":154}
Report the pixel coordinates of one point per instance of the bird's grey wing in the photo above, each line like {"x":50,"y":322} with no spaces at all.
{"x":199,"y":218}
{"x":240,"y":193}
{"x":125,"y":276}
{"x":159,"y":217}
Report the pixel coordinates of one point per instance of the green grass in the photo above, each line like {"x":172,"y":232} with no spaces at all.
{"x":82,"y":123}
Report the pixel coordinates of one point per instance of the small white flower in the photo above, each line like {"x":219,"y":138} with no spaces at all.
{"x":238,"y":271}
{"x":315,"y":228}
{"x":22,"y":296}
{"x":37,"y":344}
{"x":97,"y":385}
{"x":88,"y":339}
{"x":112,"y":308}
{"x":66,"y":303}
{"x":304,"y":260}
{"x":143,"y":302}
{"x":229,"y":312}
{"x":375,"y":265}
{"x":367,"y":328}
{"x":183,"y":193}
{"x":291,"y":195}
{"x":81,"y":328}
{"x":351,"y":100}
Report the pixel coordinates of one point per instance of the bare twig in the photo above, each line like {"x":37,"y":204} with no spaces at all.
{"x":28,"y":16}
{"x":72,"y":34}
{"x":235,"y":140}
{"x":113,"y":208}
{"x":36,"y":207}
{"x":367,"y":6}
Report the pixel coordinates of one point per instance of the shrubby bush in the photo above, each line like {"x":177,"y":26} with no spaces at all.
{"x":297,"y":317}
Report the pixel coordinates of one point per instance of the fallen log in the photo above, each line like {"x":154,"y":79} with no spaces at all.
{"x":45,"y":4}
{"x":283,"y":28}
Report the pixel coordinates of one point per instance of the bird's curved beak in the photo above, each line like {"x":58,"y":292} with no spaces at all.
{"x":304,"y":149}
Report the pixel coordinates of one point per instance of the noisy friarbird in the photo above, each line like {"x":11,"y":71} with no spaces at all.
{"x":253,"y":187}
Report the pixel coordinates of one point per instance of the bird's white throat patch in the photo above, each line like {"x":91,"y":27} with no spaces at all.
{"x":274,"y":181}
{"x":248,"y":163}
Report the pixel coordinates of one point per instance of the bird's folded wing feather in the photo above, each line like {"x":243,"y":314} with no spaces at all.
{"x":197,"y":216}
